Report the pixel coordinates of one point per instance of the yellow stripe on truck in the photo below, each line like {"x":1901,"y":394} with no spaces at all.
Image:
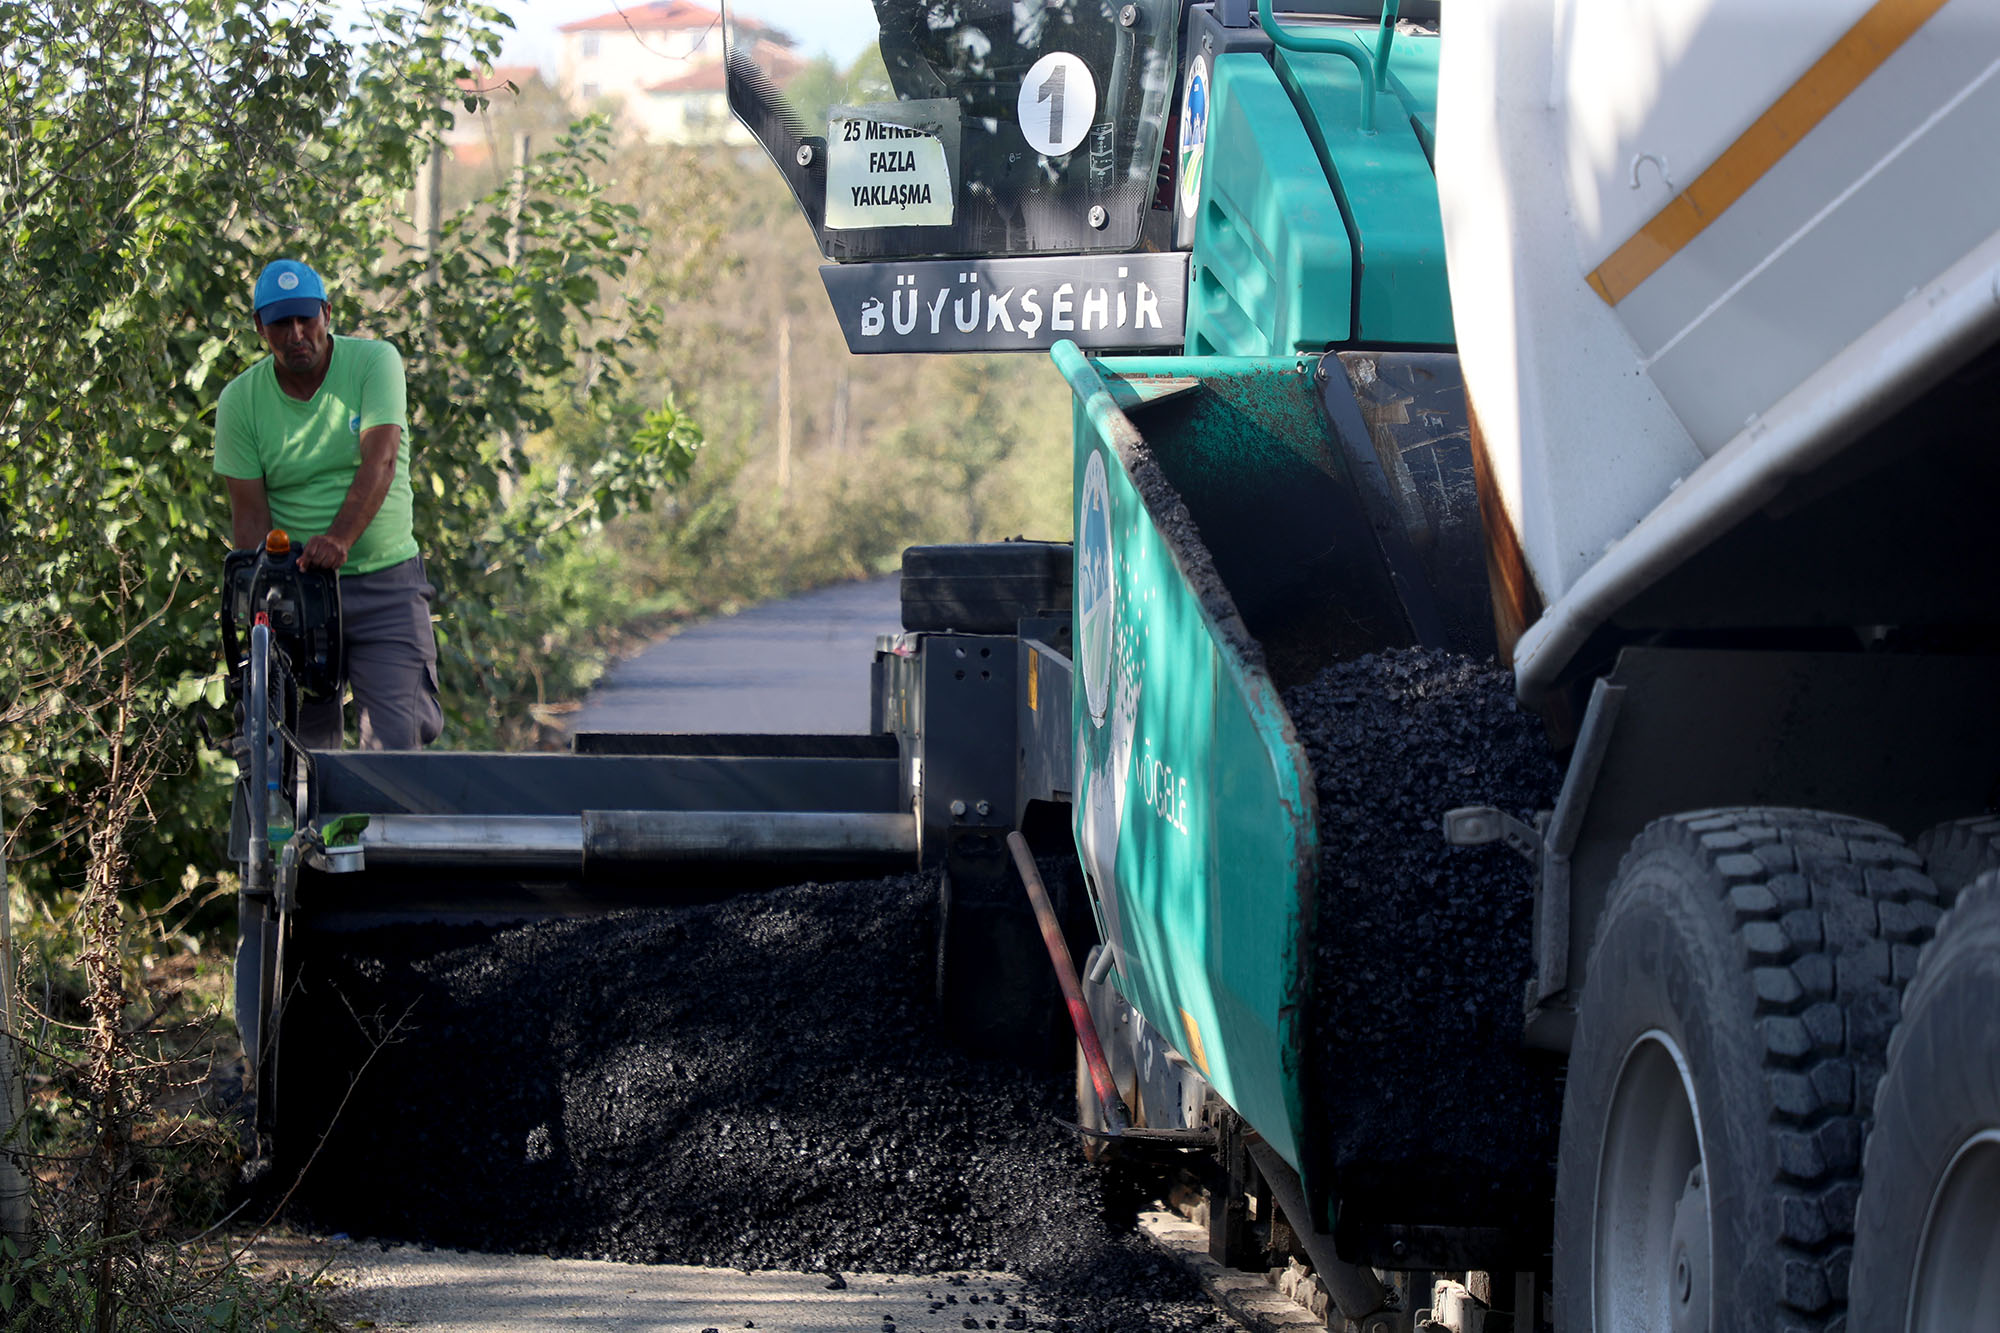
{"x":1860,"y":52}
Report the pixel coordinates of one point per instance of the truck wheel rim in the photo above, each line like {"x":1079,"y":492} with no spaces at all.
{"x":1957,"y":1283}
{"x":1651,"y":1252}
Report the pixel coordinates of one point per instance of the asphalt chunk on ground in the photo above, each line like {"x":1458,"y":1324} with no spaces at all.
{"x":1432,"y":1105}
{"x":758,"y":1083}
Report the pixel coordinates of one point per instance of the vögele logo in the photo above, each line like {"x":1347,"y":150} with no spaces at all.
{"x":1194,"y":135}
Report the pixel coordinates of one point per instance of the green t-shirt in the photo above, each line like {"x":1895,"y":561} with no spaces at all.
{"x":308,"y":452}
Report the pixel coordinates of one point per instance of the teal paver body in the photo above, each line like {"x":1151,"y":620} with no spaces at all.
{"x":1387,"y":193}
{"x":1272,"y":269}
{"x":1193,"y":807}
{"x":1194,"y":811}
{"x":1310,"y":232}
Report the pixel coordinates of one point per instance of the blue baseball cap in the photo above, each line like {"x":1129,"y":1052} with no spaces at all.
{"x":287,"y":289}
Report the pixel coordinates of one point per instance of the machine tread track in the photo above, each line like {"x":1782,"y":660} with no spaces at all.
{"x":1829,"y":914}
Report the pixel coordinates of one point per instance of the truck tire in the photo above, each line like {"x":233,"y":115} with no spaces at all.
{"x":1735,"y":1014}
{"x":1928,"y":1223}
{"x":1959,"y":852}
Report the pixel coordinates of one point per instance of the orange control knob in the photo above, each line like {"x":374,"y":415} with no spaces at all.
{"x":277,"y":542}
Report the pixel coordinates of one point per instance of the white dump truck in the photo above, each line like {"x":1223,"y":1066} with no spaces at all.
{"x":1726,"y":286}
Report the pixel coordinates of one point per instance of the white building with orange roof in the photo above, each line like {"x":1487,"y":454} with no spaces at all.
{"x":660,"y":63}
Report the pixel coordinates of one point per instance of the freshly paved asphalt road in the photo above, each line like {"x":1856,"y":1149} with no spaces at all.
{"x":800,"y":665}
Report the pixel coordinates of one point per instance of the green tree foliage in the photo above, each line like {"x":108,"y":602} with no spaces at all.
{"x":155,"y":157}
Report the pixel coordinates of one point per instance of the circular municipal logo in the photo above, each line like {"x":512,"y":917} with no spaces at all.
{"x":1057,"y":104}
{"x":1096,"y":590}
{"x":288,"y":280}
{"x":1194,"y":134}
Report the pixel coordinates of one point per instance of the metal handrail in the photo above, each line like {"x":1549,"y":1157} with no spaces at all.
{"x":1336,"y":44}
{"x":1384,"y":38}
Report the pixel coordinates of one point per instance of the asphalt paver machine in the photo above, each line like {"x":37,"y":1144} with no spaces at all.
{"x":1648,"y":349}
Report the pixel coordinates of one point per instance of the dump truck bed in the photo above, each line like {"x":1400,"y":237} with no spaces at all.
{"x":1680,"y":285}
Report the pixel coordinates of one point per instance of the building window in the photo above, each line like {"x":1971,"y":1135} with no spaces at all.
{"x":590,"y":46}
{"x":587,"y":91}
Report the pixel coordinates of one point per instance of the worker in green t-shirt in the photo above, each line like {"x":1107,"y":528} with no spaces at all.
{"x":310,"y":439}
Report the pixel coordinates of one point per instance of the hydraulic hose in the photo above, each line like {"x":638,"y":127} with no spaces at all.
{"x":1079,"y":1012}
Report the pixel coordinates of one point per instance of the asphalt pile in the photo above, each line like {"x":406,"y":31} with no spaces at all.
{"x":1433,"y":1107}
{"x":757,"y":1083}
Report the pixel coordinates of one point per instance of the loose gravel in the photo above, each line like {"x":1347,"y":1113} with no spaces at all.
{"x":755,"y":1084}
{"x":1433,"y":1107}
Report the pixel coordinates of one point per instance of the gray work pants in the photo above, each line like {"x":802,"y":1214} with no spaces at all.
{"x":391,"y":659}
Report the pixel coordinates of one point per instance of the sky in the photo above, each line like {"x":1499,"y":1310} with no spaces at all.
{"x":837,"y":28}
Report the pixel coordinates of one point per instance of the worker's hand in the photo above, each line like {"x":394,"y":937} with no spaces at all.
{"x":325,"y":551}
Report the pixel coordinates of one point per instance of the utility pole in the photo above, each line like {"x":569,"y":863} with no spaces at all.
{"x":429,"y":203}
{"x":517,"y":199}
{"x":839,"y":431}
{"x":784,"y":401}
{"x":14,"y":1201}
{"x":430,"y":226}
